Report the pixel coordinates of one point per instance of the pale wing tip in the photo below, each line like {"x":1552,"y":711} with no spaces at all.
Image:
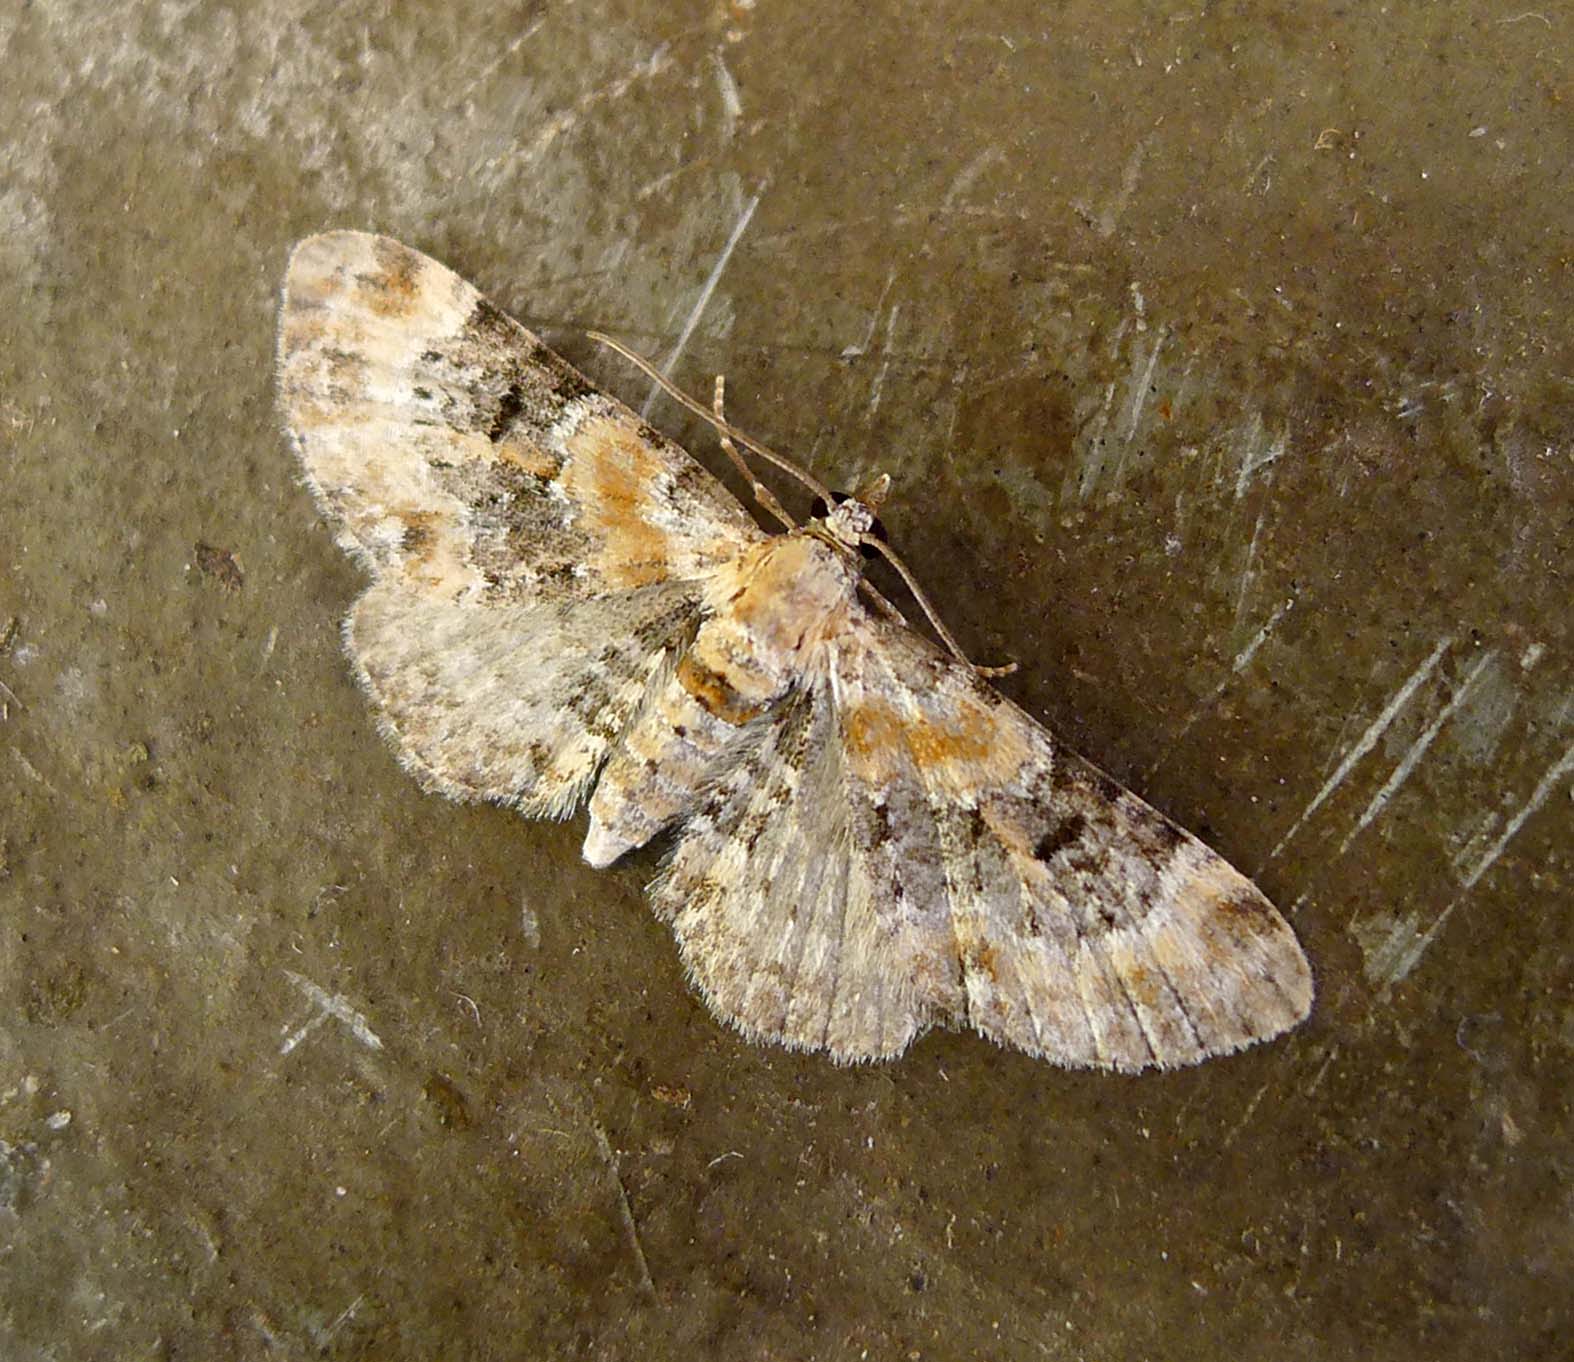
{"x":378,"y":271}
{"x":321,"y":253}
{"x":1250,"y":980}
{"x":1209,"y":969}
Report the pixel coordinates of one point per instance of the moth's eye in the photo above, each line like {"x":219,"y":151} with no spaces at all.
{"x":821,"y":510}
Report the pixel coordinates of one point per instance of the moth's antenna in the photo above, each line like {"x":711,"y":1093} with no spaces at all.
{"x":762,"y":493}
{"x":729,"y":433}
{"x":895,"y":561}
{"x":722,"y":427}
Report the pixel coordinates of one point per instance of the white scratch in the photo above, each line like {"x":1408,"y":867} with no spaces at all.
{"x":1418,"y":749}
{"x":30,"y":771}
{"x":626,"y":1213}
{"x":1087,"y":466}
{"x":1246,"y":569}
{"x":1139,"y":393}
{"x":1408,"y":946}
{"x":555,"y":127}
{"x":1243,"y":660}
{"x":1251,"y":1108}
{"x":1251,"y":462}
{"x":1139,"y":397}
{"x":885,"y":363}
{"x":1390,"y":946}
{"x":1322,"y":1070}
{"x":1128,"y":186}
{"x":328,"y":1005}
{"x":345,"y":1315}
{"x":731,"y":100}
{"x":490,"y":69}
{"x":1367,"y":740}
{"x":854,"y":351}
{"x":703,"y":301}
{"x":1560,"y":768}
{"x":967,"y":175}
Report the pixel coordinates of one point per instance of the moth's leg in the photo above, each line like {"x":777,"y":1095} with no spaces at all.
{"x":891,"y":556}
{"x":762,"y":493}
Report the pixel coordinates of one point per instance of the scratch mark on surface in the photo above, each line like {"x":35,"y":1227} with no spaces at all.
{"x":345,"y":1315}
{"x":1246,"y":569}
{"x":30,"y":771}
{"x":1322,"y":1070}
{"x":862,"y":348}
{"x":328,"y":1005}
{"x":1265,"y":454}
{"x":1367,"y":740}
{"x":966,"y":177}
{"x":491,"y":68}
{"x":703,"y":301}
{"x":1418,"y":749}
{"x":1544,"y":787}
{"x":1246,"y":1116}
{"x":1141,"y":386}
{"x":1139,"y":396}
{"x":558,"y":124}
{"x":878,"y":386}
{"x":1088,"y":445}
{"x":731,"y":100}
{"x":626,"y":1213}
{"x":1128,"y":186}
{"x":1243,"y":660}
{"x":1407,"y":946}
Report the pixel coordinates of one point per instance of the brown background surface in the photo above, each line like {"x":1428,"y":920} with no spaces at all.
{"x":1221,"y":357}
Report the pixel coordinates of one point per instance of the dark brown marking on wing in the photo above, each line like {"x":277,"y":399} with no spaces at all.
{"x":419,"y":535}
{"x":1062,"y":835}
{"x":508,"y":409}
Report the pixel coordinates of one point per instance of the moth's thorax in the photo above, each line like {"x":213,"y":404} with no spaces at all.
{"x":786,"y":594}
{"x":768,"y":612}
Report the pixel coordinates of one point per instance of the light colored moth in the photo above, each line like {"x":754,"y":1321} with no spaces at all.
{"x":867,"y":838}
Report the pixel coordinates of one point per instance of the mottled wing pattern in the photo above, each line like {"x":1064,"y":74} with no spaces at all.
{"x":515,"y":703}
{"x":914,"y":849}
{"x":457,"y":454}
{"x":768,"y":904}
{"x":539,"y":552}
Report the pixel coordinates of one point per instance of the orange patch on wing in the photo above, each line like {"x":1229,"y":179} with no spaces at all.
{"x":615,"y":476}
{"x":420,"y":534}
{"x":964,"y":747}
{"x":392,"y":292}
{"x":303,"y":330}
{"x":714,"y":693}
{"x":982,"y":958}
{"x":526,"y":454}
{"x":872,"y":729}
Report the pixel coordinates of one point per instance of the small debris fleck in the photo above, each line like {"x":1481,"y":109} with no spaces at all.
{"x":220,"y":566}
{"x":453,"y":1112}
{"x":679,"y":1097}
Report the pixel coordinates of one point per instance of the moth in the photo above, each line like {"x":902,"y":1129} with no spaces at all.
{"x":868,"y":839}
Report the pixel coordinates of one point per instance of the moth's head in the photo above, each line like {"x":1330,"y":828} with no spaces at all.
{"x":857,"y":516}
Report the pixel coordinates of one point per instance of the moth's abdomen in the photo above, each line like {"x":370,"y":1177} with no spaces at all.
{"x":670,"y":752}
